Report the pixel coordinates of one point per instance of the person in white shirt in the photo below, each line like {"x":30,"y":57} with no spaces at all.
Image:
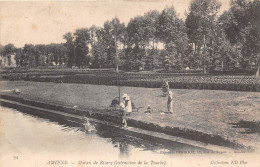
{"x":128,"y":104}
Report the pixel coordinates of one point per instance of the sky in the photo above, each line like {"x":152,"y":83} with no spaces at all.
{"x":44,"y":22}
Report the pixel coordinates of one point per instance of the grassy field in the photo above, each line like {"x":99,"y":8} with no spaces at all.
{"x":211,"y":112}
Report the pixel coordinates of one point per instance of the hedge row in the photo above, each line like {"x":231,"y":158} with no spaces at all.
{"x":182,"y":85}
{"x":181,"y":71}
{"x":232,"y":83}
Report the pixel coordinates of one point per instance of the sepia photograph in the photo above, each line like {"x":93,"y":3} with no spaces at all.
{"x":130,"y":83}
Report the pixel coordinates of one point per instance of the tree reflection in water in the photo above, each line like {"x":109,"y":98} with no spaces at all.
{"x":124,"y":149}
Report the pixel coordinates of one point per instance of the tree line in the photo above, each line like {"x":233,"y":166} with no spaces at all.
{"x":34,"y":55}
{"x":159,"y":40}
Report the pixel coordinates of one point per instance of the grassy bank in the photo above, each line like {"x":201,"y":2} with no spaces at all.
{"x":210,"y":112}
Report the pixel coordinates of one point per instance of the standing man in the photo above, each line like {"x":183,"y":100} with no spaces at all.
{"x":122,"y":113}
{"x":170,"y":102}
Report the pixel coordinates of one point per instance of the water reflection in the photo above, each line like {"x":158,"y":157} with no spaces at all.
{"x":123,"y":148}
{"x":56,"y":134}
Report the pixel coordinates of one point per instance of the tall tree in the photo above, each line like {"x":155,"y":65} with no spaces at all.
{"x":99,"y":55}
{"x":220,"y":49}
{"x":172,"y":33}
{"x":136,"y":43}
{"x":18,"y":57}
{"x":82,"y":39}
{"x":227,"y":23}
{"x":93,"y":31}
{"x":29,"y":53}
{"x":150,"y":27}
{"x":116,"y":31}
{"x":8,"y":50}
{"x":58,"y":53}
{"x":252,"y":41}
{"x":1,"y":55}
{"x":242,"y":30}
{"x":70,"y":49}
{"x":112,"y":35}
{"x":41,"y":54}
{"x":200,"y":23}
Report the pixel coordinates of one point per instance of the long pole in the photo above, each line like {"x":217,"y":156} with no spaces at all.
{"x":119,"y":89}
{"x":117,"y":71}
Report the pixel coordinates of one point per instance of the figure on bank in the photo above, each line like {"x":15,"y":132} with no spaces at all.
{"x":128,"y":103}
{"x":88,"y":127}
{"x":149,"y":109}
{"x":170,"y":102}
{"x":122,"y":114}
{"x":125,"y":108}
{"x":165,"y":88}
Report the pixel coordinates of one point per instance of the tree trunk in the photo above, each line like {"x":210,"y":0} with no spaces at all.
{"x":4,"y":60}
{"x":117,"y":60}
{"x":204,"y":67}
{"x":204,"y":48}
{"x":181,"y":61}
{"x":258,"y":66}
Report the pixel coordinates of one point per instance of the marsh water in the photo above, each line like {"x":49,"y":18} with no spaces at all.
{"x":23,"y":134}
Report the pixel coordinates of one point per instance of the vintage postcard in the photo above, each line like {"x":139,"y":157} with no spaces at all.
{"x":130,"y":83}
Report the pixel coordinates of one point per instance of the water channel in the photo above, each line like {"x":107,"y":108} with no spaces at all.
{"x":24,"y":136}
